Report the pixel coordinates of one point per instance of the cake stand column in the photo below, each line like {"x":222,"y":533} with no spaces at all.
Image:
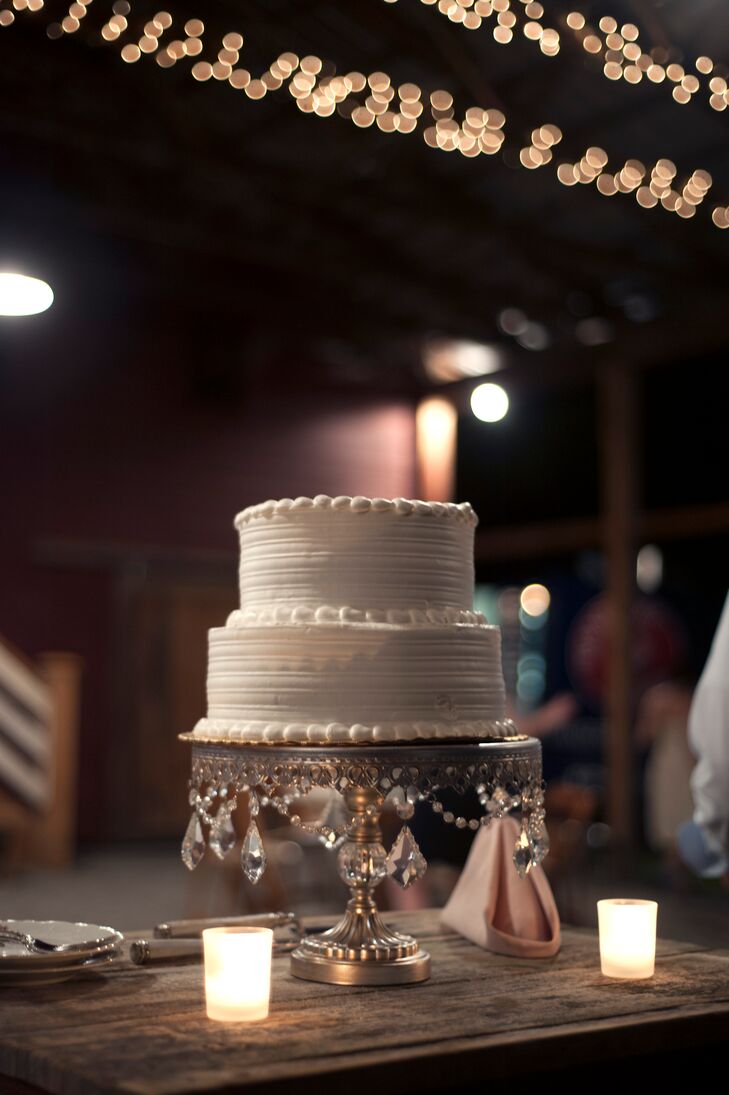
{"x":361,"y":949}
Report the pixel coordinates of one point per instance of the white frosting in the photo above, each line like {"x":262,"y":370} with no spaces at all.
{"x":403,"y":507}
{"x":368,"y":555}
{"x":330,"y":733}
{"x":328,"y":614}
{"x":350,"y":673}
{"x":356,"y":624}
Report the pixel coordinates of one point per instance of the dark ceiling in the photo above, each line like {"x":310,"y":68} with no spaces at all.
{"x":146,"y":193}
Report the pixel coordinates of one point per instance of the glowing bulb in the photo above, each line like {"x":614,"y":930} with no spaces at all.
{"x":489,"y":402}
{"x":23,"y":296}
{"x":535,"y":599}
{"x":649,"y":568}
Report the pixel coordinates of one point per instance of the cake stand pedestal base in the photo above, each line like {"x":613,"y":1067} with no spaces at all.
{"x":361,"y":949}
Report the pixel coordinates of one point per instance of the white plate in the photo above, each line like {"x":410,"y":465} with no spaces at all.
{"x":14,"y":956}
{"x":84,"y":941}
{"x":15,"y":978}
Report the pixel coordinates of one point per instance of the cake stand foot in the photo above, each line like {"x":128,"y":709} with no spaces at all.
{"x":361,"y":949}
{"x":396,"y":971}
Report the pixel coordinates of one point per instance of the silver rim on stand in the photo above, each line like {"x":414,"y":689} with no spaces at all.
{"x":505,"y":773}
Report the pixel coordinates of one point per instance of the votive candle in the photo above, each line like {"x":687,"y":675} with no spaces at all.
{"x":627,"y":937}
{"x":237,"y":973}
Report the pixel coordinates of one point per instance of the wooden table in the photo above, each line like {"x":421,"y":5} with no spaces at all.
{"x":481,"y":1017}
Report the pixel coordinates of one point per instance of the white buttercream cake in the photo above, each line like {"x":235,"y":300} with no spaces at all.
{"x":355,"y":624}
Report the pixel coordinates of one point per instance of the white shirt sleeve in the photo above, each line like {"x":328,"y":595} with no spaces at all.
{"x":709,"y":741}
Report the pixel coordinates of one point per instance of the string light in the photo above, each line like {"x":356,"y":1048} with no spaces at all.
{"x":659,"y":187}
{"x":317,"y":89}
{"x":614,"y":44}
{"x":539,"y":152}
{"x":618,"y":48}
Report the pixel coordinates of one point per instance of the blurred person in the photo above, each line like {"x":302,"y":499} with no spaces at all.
{"x":662,"y":730}
{"x":703,"y":842}
{"x":553,"y":715}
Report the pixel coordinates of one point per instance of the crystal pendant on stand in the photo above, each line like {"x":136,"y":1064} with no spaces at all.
{"x":540,"y":844}
{"x":396,"y":798}
{"x":523,"y":857}
{"x":404,"y":801}
{"x":333,"y":821}
{"x":253,"y":855}
{"x":331,"y":839}
{"x":405,"y":862}
{"x":193,"y":843}
{"x":500,"y":802}
{"x":222,"y":834}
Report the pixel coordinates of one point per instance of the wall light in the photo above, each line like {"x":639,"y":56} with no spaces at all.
{"x":436,"y":427}
{"x":23,"y":296}
{"x":489,"y":402}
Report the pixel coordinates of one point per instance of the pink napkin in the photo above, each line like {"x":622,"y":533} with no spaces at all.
{"x":496,"y":909}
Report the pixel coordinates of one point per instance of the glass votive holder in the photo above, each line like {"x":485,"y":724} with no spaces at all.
{"x":237,"y":973}
{"x":627,"y":930}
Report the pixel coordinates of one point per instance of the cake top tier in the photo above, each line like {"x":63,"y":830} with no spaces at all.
{"x":356,"y":552}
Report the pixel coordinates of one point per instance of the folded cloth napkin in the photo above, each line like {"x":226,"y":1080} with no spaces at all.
{"x":496,"y":909}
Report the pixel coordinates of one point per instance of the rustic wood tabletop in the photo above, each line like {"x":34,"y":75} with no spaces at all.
{"x":143,"y":1030}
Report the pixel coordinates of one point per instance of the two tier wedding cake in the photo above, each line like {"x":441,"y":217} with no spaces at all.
{"x":355,"y":625}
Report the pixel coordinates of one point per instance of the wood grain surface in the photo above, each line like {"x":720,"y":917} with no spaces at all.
{"x":481,"y":1016}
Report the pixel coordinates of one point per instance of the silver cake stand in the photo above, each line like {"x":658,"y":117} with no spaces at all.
{"x":505,"y":773}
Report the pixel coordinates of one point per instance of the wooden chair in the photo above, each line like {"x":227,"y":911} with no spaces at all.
{"x":39,"y":718}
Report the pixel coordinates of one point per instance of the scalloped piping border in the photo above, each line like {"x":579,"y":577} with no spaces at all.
{"x":403,"y":507}
{"x":335,"y":732}
{"x":327,"y":614}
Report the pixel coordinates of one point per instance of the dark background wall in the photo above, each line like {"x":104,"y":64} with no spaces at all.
{"x":116,"y":467}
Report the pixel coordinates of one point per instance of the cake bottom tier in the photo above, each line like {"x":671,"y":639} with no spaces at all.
{"x":354,"y":682}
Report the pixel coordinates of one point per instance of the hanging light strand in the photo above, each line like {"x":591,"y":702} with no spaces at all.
{"x":617,"y":46}
{"x":374,"y":100}
{"x":651,"y":188}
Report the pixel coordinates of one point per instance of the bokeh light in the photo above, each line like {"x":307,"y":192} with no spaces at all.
{"x":23,"y":296}
{"x":535,"y":599}
{"x":489,"y":402}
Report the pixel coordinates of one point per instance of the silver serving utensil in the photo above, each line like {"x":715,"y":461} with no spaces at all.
{"x":190,"y":929}
{"x":143,"y":952}
{"x":178,"y":948}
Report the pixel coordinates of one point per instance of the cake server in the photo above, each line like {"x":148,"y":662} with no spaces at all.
{"x":142,"y":952}
{"x":191,"y":929}
{"x":145,"y":952}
